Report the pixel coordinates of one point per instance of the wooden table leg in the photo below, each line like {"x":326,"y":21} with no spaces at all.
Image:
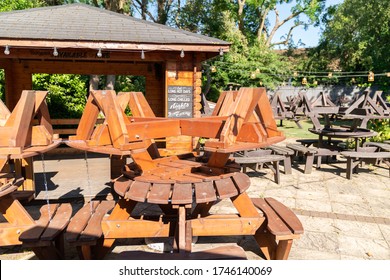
{"x":276,"y":172}
{"x":283,"y":249}
{"x":309,"y":163}
{"x":183,"y":232}
{"x":349,"y":167}
{"x":287,"y":165}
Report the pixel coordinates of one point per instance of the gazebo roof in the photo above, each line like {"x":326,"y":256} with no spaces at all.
{"x":81,"y":25}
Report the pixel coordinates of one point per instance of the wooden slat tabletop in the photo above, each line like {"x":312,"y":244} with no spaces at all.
{"x":182,"y":194}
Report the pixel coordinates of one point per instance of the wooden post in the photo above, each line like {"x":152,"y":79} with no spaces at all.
{"x":17,"y":79}
{"x":183,"y":97}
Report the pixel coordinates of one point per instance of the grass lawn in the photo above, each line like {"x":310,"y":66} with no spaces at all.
{"x":291,"y":130}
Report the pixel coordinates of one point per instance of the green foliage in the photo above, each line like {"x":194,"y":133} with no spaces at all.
{"x":382,"y":127}
{"x":356,"y":33}
{"x":11,"y":5}
{"x":130,"y":83}
{"x":249,"y":65}
{"x":67,"y":93}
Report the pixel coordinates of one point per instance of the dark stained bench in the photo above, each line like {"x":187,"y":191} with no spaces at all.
{"x":270,"y":161}
{"x":281,"y":228}
{"x":311,"y":153}
{"x":84,"y":229}
{"x":286,"y":152}
{"x":301,"y":150}
{"x":314,"y":142}
{"x":384,"y":147}
{"x":355,"y":158}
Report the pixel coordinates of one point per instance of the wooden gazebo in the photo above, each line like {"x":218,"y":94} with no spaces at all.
{"x":81,"y":39}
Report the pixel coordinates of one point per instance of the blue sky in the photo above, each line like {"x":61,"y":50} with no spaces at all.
{"x":309,"y":37}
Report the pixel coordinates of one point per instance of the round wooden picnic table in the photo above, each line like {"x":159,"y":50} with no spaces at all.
{"x":185,"y":192}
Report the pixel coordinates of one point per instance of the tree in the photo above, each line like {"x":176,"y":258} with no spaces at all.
{"x":357,"y":32}
{"x":253,"y":17}
{"x":158,"y":11}
{"x":246,"y":64}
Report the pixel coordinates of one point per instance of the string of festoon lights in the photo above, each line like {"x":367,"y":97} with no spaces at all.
{"x":257,"y":73}
{"x":99,"y":51}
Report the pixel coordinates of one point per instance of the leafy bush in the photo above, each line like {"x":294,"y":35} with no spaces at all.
{"x":383,"y":129}
{"x":67,"y":93}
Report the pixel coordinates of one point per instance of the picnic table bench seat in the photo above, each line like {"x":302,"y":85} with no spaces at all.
{"x":46,"y":238}
{"x":282,"y":226}
{"x":301,"y":150}
{"x":270,"y":161}
{"x":354,"y":158}
{"x":311,"y":153}
{"x":45,"y":235}
{"x":385,"y":147}
{"x":314,"y":142}
{"x":286,"y":152}
{"x":84,"y":230}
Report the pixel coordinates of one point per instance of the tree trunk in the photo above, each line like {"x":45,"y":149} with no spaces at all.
{"x":94,"y":82}
{"x":241,"y":23}
{"x":110,"y":83}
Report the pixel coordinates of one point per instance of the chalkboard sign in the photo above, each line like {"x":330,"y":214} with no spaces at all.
{"x":180,"y":101}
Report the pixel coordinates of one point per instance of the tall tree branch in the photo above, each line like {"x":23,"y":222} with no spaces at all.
{"x":143,"y":9}
{"x":262,"y":27}
{"x":289,"y":34}
{"x":279,"y":24}
{"x":241,"y":23}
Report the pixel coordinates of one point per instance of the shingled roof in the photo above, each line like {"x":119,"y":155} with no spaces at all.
{"x":84,"y":23}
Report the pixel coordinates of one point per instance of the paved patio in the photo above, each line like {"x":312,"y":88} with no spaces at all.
{"x":343,"y":219}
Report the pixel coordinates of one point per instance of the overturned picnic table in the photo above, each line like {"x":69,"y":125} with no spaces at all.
{"x":185,"y":187}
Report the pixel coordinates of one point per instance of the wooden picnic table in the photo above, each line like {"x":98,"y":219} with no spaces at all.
{"x":185,"y":200}
{"x":184,"y":186}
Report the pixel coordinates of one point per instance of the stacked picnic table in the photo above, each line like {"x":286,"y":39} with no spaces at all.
{"x":361,"y":109}
{"x":184,"y":186}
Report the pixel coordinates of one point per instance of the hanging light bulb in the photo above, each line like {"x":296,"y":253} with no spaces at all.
{"x":142,"y":54}
{"x":6,"y":51}
{"x":221,"y":52}
{"x":253,"y":75}
{"x":371,"y":76}
{"x":213,"y":69}
{"x":261,"y":83}
{"x":99,"y":53}
{"x":182,"y":53}
{"x":304,"y":81}
{"x":55,"y":51}
{"x":330,"y":75}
